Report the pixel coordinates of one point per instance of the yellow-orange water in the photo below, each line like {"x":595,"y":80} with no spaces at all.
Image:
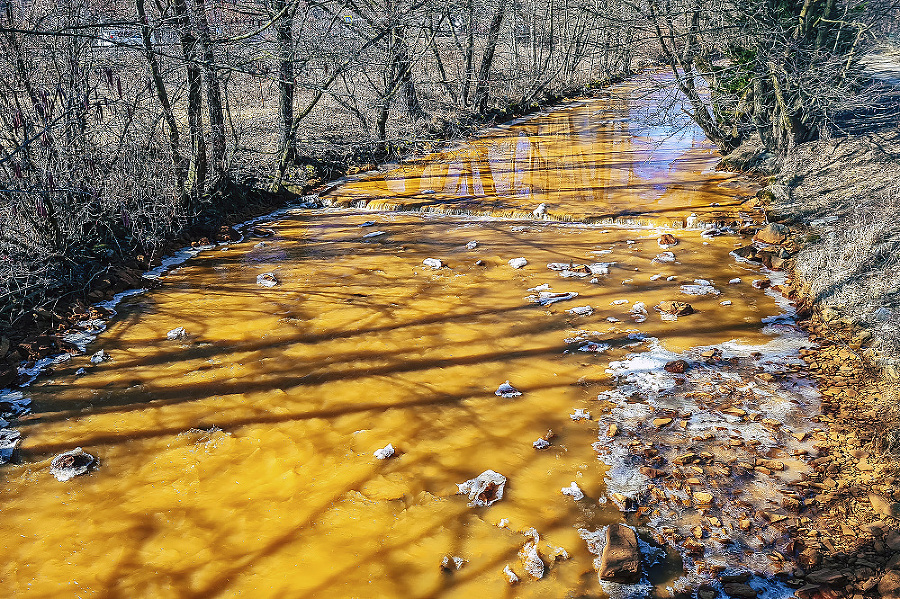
{"x":361,"y":345}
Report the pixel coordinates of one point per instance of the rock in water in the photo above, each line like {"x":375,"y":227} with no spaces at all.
{"x":528,"y":555}
{"x":179,"y":333}
{"x":676,"y":308}
{"x":433,"y":263}
{"x":518,"y":262}
{"x":483,"y":490}
{"x":385,"y":452}
{"x":773,"y":233}
{"x":70,"y":464}
{"x":9,"y":441}
{"x":621,"y":559}
{"x":573,"y":491}
{"x":507,"y":390}
{"x":266,"y":279}
{"x":667,"y":241}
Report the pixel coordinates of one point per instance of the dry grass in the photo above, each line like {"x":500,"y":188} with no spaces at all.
{"x":847,"y":191}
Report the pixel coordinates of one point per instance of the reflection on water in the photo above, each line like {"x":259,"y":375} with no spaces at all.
{"x":239,"y":460}
{"x":593,"y":161}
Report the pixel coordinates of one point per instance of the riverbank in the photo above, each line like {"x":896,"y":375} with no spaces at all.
{"x":839,"y":199}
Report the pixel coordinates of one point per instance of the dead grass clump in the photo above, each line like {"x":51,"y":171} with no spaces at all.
{"x":847,"y":192}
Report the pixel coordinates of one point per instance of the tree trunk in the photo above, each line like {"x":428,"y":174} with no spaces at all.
{"x":286,"y":84}
{"x":213,"y":94}
{"x":196,"y":177}
{"x":487,"y":59}
{"x":163,"y":97}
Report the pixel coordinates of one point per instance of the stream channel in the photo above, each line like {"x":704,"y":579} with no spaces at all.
{"x":238,"y":459}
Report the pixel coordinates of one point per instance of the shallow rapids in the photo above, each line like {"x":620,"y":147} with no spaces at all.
{"x":238,"y":459}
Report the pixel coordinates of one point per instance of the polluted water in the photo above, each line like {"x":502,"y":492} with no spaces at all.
{"x":542,"y":349}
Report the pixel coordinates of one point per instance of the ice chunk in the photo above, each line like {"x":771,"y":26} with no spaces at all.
{"x":725,"y":303}
{"x":452,"y":562}
{"x":374,"y":234}
{"x":540,"y":211}
{"x":734,"y":281}
{"x":472,"y":245}
{"x":70,"y":464}
{"x":266,"y":279}
{"x":545,"y":298}
{"x":518,"y":262}
{"x":573,"y":491}
{"x":665,"y":257}
{"x":699,"y":289}
{"x":655,"y":277}
{"x":639,"y":308}
{"x":100,"y":356}
{"x":618,"y":302}
{"x":594,"y":347}
{"x":507,"y":390}
{"x":544,"y":287}
{"x":580,"y":414}
{"x":581,"y":311}
{"x":541,"y":443}
{"x":600,"y":268}
{"x":483,"y":490}
{"x":179,"y":333}
{"x":510,"y":575}
{"x":433,"y":263}
{"x":9,"y":441}
{"x":385,"y":452}
{"x":531,"y":560}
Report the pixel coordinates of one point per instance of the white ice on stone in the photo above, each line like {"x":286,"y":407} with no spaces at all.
{"x":510,"y":575}
{"x":266,"y":279}
{"x":655,"y":277}
{"x":374,"y":234}
{"x":540,"y":211}
{"x":618,"y":302}
{"x":671,"y":278}
{"x":518,"y":262}
{"x":545,"y":298}
{"x":594,"y":347}
{"x":507,"y":390}
{"x":178,"y":333}
{"x":544,"y":287}
{"x":725,"y":303}
{"x":385,"y":452}
{"x":581,"y":311}
{"x":483,"y":490}
{"x":665,"y":257}
{"x":612,"y":319}
{"x":573,"y":491}
{"x":100,"y":356}
{"x":472,"y":245}
{"x":541,"y":443}
{"x":735,"y":281}
{"x":698,"y":288}
{"x":580,"y":414}
{"x":433,"y":263}
{"x":600,"y":268}
{"x":639,"y":308}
